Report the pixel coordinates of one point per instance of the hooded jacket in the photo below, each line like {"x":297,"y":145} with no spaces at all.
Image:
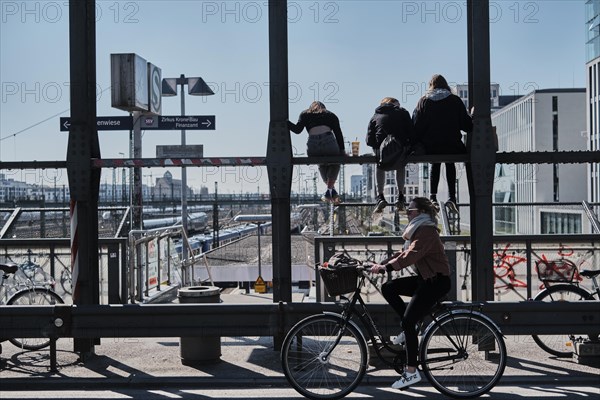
{"x":389,"y":119}
{"x":438,"y":120}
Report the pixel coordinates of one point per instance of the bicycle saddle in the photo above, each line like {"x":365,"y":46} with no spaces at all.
{"x":589,"y":273}
{"x":9,"y":268}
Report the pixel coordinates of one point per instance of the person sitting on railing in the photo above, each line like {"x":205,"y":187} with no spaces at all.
{"x":325,"y":138}
{"x":424,"y":249}
{"x":439,"y":118}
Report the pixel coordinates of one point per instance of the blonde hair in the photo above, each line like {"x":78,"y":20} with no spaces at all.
{"x":390,"y":100}
{"x":316,"y":107}
{"x":425,"y":205}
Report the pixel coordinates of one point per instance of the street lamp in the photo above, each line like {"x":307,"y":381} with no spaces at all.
{"x":196,"y":87}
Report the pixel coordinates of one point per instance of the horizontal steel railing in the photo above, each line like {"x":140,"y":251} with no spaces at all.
{"x":172,"y":320}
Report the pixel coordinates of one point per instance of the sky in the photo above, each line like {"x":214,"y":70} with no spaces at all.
{"x":348,"y":54}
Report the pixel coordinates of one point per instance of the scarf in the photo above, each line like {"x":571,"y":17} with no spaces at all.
{"x":416,"y":223}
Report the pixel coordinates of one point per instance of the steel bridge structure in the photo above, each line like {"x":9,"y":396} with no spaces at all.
{"x":87,"y":321}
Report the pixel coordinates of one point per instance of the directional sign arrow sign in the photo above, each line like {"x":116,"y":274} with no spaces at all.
{"x":176,"y":122}
{"x":103,"y":123}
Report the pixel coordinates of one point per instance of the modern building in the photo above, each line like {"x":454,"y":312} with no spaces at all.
{"x":592,"y":94}
{"x":416,"y":183}
{"x":462,"y":91}
{"x":544,"y":120}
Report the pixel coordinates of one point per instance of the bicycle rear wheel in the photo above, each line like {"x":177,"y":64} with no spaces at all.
{"x":561,"y":345}
{"x":322,"y":358}
{"x":33,"y":297}
{"x":463,"y":355}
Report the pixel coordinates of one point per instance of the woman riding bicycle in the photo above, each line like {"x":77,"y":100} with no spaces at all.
{"x":423,"y":249}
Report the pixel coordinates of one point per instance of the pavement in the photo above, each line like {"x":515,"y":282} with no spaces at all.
{"x":244,"y":362}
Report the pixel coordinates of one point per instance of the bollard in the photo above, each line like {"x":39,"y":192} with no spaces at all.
{"x":199,"y":349}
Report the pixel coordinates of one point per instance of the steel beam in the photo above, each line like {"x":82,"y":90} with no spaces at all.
{"x":279,"y":151}
{"x":173,"y":320}
{"x":482,"y":152}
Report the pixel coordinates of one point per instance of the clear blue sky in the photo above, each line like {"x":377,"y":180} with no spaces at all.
{"x":348,"y":54}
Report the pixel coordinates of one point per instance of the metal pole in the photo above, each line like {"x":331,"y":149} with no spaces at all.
{"x":184,"y":216}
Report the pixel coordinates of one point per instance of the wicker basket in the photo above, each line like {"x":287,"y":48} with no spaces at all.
{"x":339,"y":280}
{"x":555,"y":270}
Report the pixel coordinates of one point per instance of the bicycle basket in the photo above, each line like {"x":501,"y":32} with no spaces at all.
{"x":555,"y":270}
{"x":340,"y":280}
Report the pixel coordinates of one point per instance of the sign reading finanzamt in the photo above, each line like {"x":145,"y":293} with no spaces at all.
{"x":164,"y":122}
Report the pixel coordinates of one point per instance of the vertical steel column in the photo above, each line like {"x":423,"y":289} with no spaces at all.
{"x":83,"y":145}
{"x":480,"y":169}
{"x":279,"y":151}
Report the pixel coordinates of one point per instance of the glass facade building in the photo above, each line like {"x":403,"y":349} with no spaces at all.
{"x":592,"y":16}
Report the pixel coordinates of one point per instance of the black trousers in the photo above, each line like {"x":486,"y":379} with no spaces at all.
{"x":424,"y":293}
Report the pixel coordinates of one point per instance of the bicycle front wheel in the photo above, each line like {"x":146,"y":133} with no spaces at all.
{"x":560,"y":345}
{"x":33,"y":297}
{"x":463,"y":355}
{"x":323,"y":358}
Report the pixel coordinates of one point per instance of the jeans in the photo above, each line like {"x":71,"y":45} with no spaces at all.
{"x":324,"y":144}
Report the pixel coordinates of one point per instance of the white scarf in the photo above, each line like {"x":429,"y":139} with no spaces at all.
{"x":414,"y":224}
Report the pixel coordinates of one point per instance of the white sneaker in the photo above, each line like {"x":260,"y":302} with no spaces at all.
{"x":400,"y":339}
{"x":407,"y":379}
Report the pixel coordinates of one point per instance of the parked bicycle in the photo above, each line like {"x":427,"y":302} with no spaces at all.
{"x":325,"y":356}
{"x":558,"y":278}
{"x":23,"y":290}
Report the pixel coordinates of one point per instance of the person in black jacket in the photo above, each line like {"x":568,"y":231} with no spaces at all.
{"x":438,"y":119}
{"x":389,"y":119}
{"x":324,"y":139}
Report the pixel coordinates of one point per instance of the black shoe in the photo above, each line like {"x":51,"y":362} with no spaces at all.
{"x":327,"y":196}
{"x":381,"y":204}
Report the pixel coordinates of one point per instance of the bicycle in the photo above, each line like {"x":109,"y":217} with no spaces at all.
{"x":561,"y":283}
{"x":26,"y":292}
{"x":324,"y":356}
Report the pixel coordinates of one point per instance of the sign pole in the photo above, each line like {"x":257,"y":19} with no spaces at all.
{"x":136,"y":194}
{"x":184,"y":215}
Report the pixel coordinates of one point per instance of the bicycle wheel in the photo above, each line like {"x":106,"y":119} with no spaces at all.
{"x":463,"y":355}
{"x":560,"y":345}
{"x":33,"y":297}
{"x":322,"y":362}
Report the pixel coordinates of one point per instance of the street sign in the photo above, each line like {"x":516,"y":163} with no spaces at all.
{"x":103,"y":123}
{"x":178,"y":122}
{"x":180,"y":151}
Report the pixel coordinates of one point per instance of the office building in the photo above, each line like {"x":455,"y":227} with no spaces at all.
{"x":544,"y":120}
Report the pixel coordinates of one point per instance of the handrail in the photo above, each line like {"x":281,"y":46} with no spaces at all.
{"x":591,"y":215}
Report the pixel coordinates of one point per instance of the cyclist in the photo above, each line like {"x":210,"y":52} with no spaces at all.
{"x":423,"y":249}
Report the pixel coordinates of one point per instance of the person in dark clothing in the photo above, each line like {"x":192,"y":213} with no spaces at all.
{"x":424,"y":249}
{"x":438,"y":120}
{"x":389,"y":119}
{"x":325,"y":138}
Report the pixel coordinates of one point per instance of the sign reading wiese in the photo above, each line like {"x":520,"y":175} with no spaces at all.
{"x":163,"y":122}
{"x":124,"y":123}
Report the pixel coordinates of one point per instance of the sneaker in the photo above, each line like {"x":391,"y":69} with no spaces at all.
{"x":407,"y":379}
{"x":400,"y":339}
{"x":327,"y":196}
{"x":335,"y":198}
{"x":401,"y":204}
{"x":451,"y":206}
{"x":381,"y":204}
